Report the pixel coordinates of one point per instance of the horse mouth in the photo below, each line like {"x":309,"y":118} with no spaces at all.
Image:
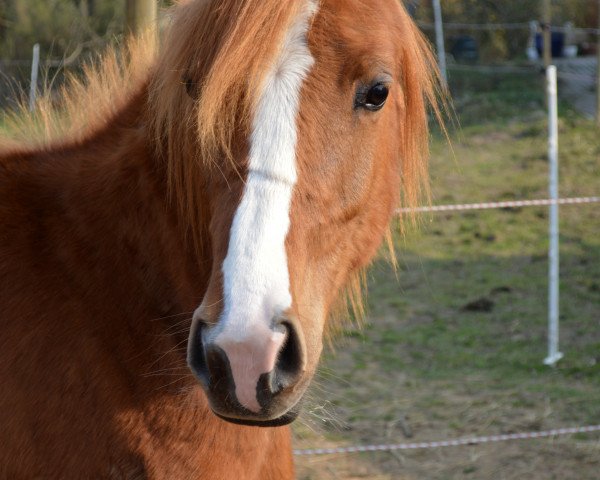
{"x":277,"y":422}
{"x":287,"y":418}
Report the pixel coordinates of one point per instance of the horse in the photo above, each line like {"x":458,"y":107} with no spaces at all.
{"x":177,"y":232}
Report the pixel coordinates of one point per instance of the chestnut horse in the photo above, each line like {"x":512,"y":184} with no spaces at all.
{"x":169,"y":261}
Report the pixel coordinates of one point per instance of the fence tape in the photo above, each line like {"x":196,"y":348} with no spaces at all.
{"x":496,"y":205}
{"x":449,"y":443}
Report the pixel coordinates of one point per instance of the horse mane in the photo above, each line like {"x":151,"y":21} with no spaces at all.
{"x":201,"y":90}
{"x":207,"y":83}
{"x":85,"y":103}
{"x":222,"y":51}
{"x":425,"y":95}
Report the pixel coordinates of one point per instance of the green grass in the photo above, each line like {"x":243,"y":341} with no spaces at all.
{"x":498,"y":258}
{"x":423,"y":350}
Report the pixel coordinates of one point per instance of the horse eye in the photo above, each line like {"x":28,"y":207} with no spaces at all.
{"x":374,"y":98}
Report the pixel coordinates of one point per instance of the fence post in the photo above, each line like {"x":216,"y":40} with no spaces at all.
{"x":547,"y":33}
{"x":140,"y":15}
{"x":439,"y":36}
{"x":35,"y":68}
{"x":553,"y":276}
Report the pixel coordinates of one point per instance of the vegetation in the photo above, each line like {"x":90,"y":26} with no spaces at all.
{"x":500,"y":45}
{"x":455,"y":340}
{"x":60,"y":26}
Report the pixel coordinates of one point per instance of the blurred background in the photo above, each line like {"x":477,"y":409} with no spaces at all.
{"x":454,"y":340}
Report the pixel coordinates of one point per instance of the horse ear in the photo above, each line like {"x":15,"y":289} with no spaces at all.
{"x":191,"y":87}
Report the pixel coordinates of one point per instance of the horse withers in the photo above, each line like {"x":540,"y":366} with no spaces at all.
{"x":169,"y":261}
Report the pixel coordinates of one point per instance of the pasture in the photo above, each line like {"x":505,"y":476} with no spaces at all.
{"x":454,"y":341}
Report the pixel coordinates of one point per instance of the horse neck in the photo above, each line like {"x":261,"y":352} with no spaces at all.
{"x":114,"y":200}
{"x":105,"y":275}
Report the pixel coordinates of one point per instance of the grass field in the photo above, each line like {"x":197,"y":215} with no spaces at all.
{"x":454,"y":342}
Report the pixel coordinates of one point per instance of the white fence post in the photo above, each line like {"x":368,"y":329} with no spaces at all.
{"x":553,"y":277}
{"x":35,"y":67}
{"x":439,"y":36}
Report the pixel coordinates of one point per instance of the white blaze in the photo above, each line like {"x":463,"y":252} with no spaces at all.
{"x":255,"y":271}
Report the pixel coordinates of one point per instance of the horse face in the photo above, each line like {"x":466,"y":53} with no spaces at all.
{"x":322,"y":180}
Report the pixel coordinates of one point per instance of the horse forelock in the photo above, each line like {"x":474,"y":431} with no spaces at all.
{"x":220,"y":52}
{"x":208,"y":80}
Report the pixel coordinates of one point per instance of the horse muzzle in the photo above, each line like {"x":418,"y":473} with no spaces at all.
{"x":251,"y":377}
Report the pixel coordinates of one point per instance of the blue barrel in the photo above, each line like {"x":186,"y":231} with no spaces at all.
{"x":558,"y":44}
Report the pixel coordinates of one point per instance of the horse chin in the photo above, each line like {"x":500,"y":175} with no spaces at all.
{"x":287,"y":418}
{"x":277,"y":422}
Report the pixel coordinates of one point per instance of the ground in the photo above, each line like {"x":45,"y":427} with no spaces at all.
{"x":454,"y":341}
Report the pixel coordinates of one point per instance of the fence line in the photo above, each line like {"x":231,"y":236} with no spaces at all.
{"x":477,"y":26}
{"x":4,"y":64}
{"x":533,"y":69}
{"x":449,"y":443}
{"x":576,"y":76}
{"x":506,"y":26}
{"x":495,"y":68}
{"x":499,"y":205}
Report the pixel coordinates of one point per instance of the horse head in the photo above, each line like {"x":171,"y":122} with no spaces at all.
{"x":302,"y":128}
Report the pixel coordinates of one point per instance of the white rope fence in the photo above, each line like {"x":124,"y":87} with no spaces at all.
{"x":449,"y":443}
{"x":497,"y":205}
{"x":469,"y":440}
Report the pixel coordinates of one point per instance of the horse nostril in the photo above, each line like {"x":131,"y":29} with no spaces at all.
{"x":290,"y":362}
{"x":196,"y":356}
{"x":289,"y":365}
{"x":246,"y":373}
